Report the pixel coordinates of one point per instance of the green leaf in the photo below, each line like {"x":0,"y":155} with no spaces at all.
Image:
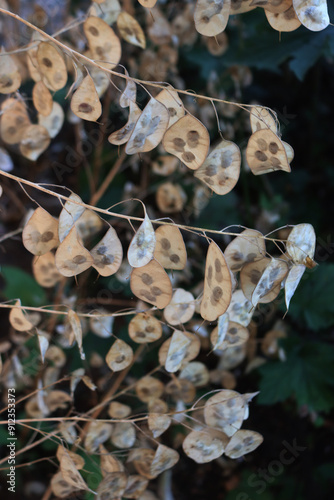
{"x":307,"y":375}
{"x":312,"y":304}
{"x":21,"y":285}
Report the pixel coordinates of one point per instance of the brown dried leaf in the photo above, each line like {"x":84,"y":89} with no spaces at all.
{"x":189,"y":140}
{"x":40,"y":234}
{"x":85,"y":102}
{"x":221,"y":170}
{"x":151,"y":284}
{"x":71,"y":257}
{"x":217,"y":284}
{"x":211,"y":17}
{"x":265,"y":153}
{"x":108,"y":254}
{"x":52,"y":66}
{"x":170,"y":250}
{"x":131,"y":30}
{"x":144,"y":328}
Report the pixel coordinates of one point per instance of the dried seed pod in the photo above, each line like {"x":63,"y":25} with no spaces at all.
{"x":98,"y":432}
{"x":178,"y":350}
{"x":70,"y":213}
{"x":189,"y":140}
{"x":170,"y":198}
{"x":171,"y":100}
{"x":61,"y":488}
{"x":165,"y":165}
{"x":181,"y":390}
{"x":70,"y":471}
{"x":14,"y":121}
{"x":170,"y":250}
{"x":218,"y":334}
{"x":232,"y":357}
{"x":236,"y":335}
{"x":142,"y":459}
{"x":52,"y":66}
{"x":76,"y":328}
{"x":104,"y":45}
{"x":301,"y":244}
{"x":292,"y":281}
{"x":240,"y":309}
{"x":54,"y":121}
{"x":217,"y":45}
{"x":129,"y":93}
{"x":34,"y":141}
{"x":204,"y":446}
{"x":45,"y":271}
{"x":144,"y":328}
{"x":68,"y":432}
{"x":148,"y":388}
{"x":284,"y":21}
{"x":85,"y":102}
{"x":197,"y":373}
{"x":265,"y":153}
{"x":89,"y":224}
{"x":142,"y":245}
{"x":269,"y":345}
{"x":149,"y":129}
{"x":118,"y":410}
{"x":221,"y":170}
{"x":151,"y":284}
{"x":135,"y":486}
{"x":147,"y":3}
{"x":272,"y":5}
{"x":78,"y":460}
{"x":217,"y":284}
{"x":164,"y":458}
{"x":241,"y":6}
{"x":40,"y":234}
{"x":131,"y":30}
{"x":289,"y":151}
{"x":101,"y":80}
{"x":108,"y":462}
{"x":58,"y":400}
{"x":181,"y":307}
{"x":108,"y":10}
{"x":262,"y":119}
{"x":248,"y":246}
{"x":108,"y":254}
{"x":123,"y":435}
{"x":158,"y":423}
{"x":211,"y":17}
{"x":119,"y":356}
{"x":42,"y":98}
{"x":243,"y":442}
{"x":56,"y":355}
{"x":225,"y":411}
{"x":102,"y":324}
{"x":261,"y":280}
{"x":312,"y":15}
{"x":10,"y":79}
{"x":112,"y":486}
{"x":122,"y":135}
{"x":18,"y":319}
{"x":72,"y":258}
